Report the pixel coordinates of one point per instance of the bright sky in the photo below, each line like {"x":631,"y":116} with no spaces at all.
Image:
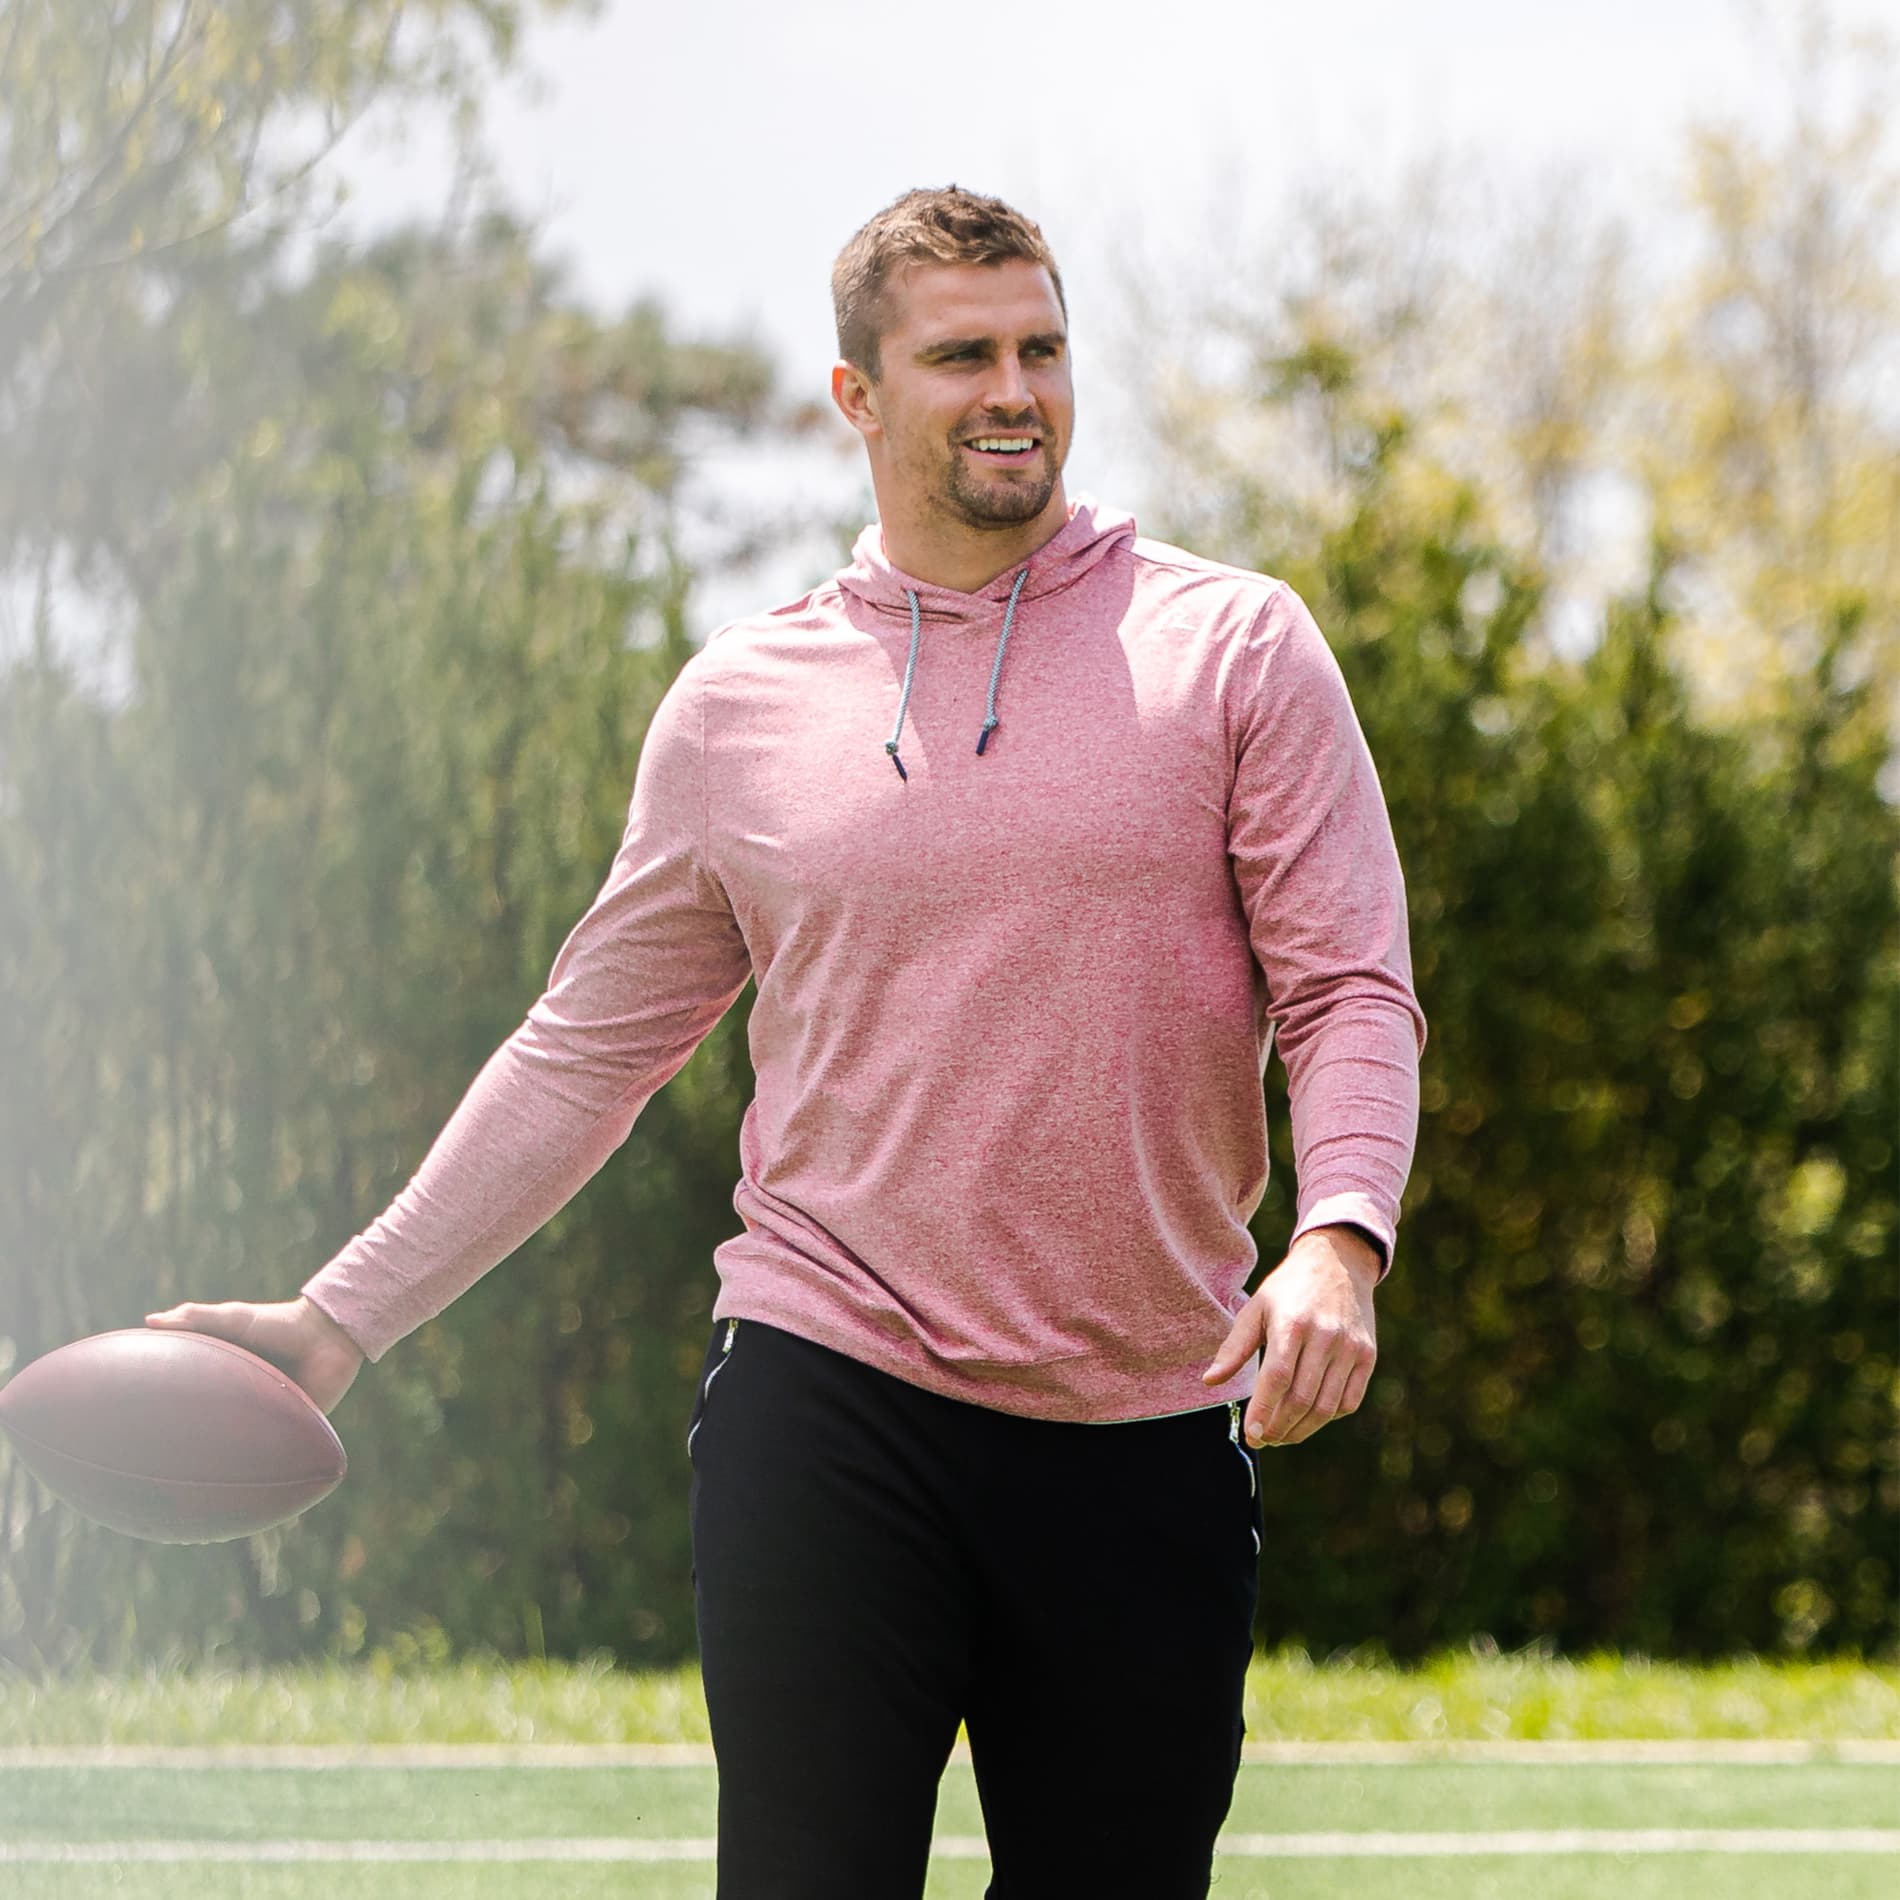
{"x":718,"y":152}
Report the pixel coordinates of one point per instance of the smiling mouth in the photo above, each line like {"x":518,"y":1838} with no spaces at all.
{"x":1007,"y":447}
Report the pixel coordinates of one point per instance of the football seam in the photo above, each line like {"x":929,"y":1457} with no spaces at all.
{"x":249,"y":1356}
{"x":143,"y":1477}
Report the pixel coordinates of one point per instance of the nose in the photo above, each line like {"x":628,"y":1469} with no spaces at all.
{"x":1008,"y":390}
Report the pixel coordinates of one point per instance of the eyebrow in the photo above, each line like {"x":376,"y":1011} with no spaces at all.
{"x":952,"y":346}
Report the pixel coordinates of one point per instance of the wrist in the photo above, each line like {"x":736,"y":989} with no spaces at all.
{"x":1352,"y":1247}
{"x":312,"y":1316}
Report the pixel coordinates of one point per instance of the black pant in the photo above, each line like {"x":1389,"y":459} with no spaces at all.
{"x":873,"y":1563}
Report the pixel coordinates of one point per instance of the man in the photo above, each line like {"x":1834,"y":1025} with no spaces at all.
{"x":959,"y":1450}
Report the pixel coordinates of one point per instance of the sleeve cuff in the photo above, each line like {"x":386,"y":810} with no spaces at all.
{"x":317,"y":1291}
{"x":1357,"y":1211}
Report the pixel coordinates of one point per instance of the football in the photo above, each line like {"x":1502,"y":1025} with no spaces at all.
{"x":174,"y":1437}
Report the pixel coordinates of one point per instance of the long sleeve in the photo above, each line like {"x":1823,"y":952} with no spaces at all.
{"x":1324,"y":897}
{"x":642,"y":979}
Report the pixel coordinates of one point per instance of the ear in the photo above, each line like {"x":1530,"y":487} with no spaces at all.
{"x":856,"y":397}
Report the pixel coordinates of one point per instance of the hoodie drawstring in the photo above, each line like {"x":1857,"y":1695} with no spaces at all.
{"x":910,"y":673}
{"x":990,"y":720}
{"x":996,"y":672}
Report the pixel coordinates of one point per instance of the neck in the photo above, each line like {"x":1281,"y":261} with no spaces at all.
{"x":952,"y":554}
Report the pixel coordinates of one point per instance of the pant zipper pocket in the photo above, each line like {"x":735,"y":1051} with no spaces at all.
{"x":705,"y":1391}
{"x":1253,"y":1476}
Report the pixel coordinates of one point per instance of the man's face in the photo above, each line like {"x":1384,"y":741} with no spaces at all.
{"x":973,"y":408}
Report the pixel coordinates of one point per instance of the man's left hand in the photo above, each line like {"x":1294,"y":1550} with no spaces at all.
{"x":1313,"y":1318}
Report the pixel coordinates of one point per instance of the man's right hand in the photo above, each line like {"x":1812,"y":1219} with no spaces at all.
{"x":293,"y":1334}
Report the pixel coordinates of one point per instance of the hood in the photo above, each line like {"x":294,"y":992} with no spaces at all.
{"x":1089,"y":534}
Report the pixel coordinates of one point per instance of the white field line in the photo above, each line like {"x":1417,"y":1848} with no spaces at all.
{"x":1386,"y":1846}
{"x":1605,"y":1754}
{"x":399,"y":1755}
{"x":1567,"y":1840}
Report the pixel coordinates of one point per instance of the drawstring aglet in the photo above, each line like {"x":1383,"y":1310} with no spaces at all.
{"x":890,"y":746}
{"x":983,"y":737}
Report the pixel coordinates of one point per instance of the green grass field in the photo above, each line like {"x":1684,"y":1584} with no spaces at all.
{"x":1470,"y":1777}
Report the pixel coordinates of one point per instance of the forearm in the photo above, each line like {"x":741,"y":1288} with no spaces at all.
{"x":1319,"y":874}
{"x":530,"y":1132}
{"x":1353,"y":1088}
{"x":643,"y":977}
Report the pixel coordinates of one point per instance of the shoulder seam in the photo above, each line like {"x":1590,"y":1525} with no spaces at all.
{"x":1185,"y":562}
{"x":810,"y":597}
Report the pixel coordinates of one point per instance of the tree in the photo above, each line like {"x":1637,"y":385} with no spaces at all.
{"x":147,"y":145}
{"x":1762,"y":434}
{"x":380,"y":544}
{"x":1717,"y":380}
{"x":1637,"y":1354}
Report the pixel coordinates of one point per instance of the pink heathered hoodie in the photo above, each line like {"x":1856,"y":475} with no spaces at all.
{"x":1014,"y":1000}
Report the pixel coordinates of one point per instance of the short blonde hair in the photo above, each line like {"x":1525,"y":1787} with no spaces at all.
{"x":950,"y":226}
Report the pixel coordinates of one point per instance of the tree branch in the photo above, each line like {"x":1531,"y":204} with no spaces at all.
{"x":114,"y":152}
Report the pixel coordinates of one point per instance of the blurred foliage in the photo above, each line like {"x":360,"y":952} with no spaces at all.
{"x":345,"y":588}
{"x":1638,"y":1351}
{"x":1764,"y":425}
{"x":146,"y":145}
{"x":265,"y":919}
{"x":1638,"y":1355}
{"x":1719,"y":377}
{"x":344,"y":594}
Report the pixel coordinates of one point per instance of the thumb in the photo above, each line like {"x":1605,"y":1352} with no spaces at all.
{"x":1240,"y":1345}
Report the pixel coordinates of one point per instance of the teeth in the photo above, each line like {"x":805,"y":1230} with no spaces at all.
{"x":1008,"y":444}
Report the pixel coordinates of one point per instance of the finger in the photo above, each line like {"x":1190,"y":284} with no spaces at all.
{"x":1356,"y":1384}
{"x":1330,"y":1401}
{"x":1296,"y":1402}
{"x":172,"y":1316}
{"x":1274,"y":1383}
{"x":1321,"y":1349}
{"x":1357,"y":1369}
{"x":185,"y":1313}
{"x":1332,"y":1392}
{"x":1240,"y":1345}
{"x":229,"y":1319}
